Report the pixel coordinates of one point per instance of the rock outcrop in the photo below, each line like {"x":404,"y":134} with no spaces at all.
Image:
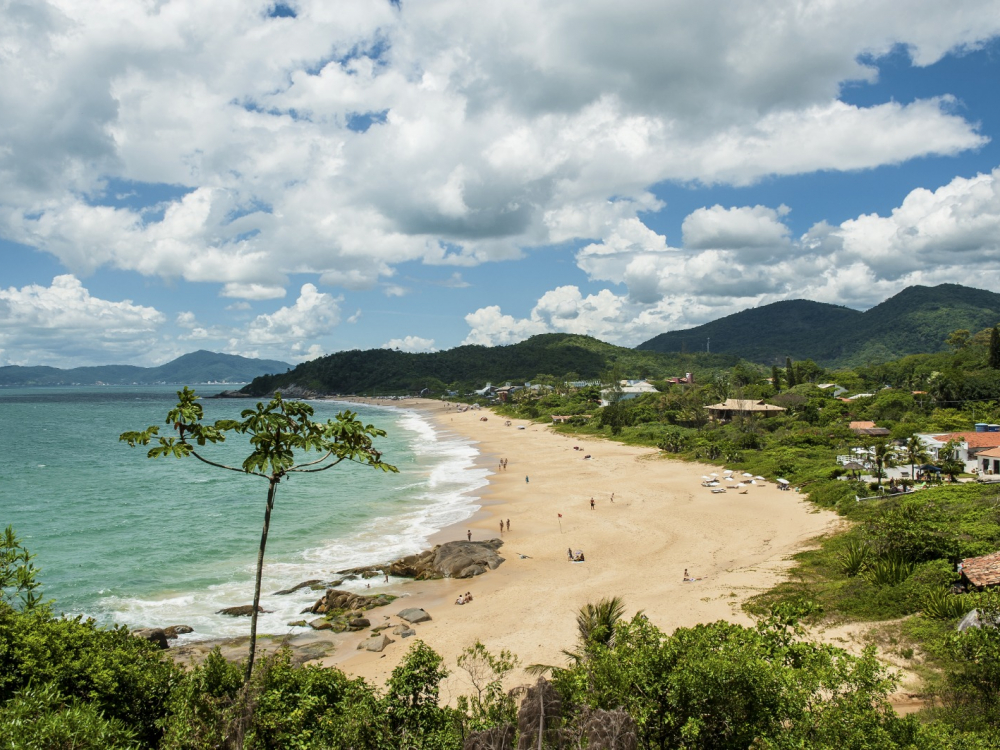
{"x":175,"y":630}
{"x":153,"y":635}
{"x":414,"y":615}
{"x":245,"y":611}
{"x":335,"y":600}
{"x":375,"y":643}
{"x":448,"y":560}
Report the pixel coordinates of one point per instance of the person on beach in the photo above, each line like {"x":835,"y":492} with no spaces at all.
{"x":612,"y":497}
{"x":469,"y":534}
{"x":501,"y":528}
{"x":386,"y":576}
{"x":569,"y":553}
{"x":508,"y":524}
{"x":525,"y":478}
{"x":592,"y":504}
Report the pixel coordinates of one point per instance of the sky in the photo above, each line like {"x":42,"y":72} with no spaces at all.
{"x":290,"y":180}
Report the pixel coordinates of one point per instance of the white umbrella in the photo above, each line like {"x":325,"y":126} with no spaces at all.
{"x":782,"y":481}
{"x":747,"y":474}
{"x":714,"y":474}
{"x":728,"y":471}
{"x":707,"y":479}
{"x":760,"y":478}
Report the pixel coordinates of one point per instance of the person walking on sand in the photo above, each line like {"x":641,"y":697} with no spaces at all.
{"x":501,"y":528}
{"x":508,"y":524}
{"x":592,"y":504}
{"x":612,"y":497}
{"x":525,"y":478}
{"x":469,"y":534}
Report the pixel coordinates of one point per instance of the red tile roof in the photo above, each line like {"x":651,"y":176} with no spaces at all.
{"x":982,"y":571}
{"x":974,"y":439}
{"x":861,"y":425}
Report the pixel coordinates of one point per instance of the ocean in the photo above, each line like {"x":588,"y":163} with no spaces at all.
{"x":149,"y":543}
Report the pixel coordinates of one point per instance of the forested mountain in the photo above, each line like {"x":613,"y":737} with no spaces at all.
{"x":466,"y":367}
{"x":196,"y":367}
{"x":916,"y":320}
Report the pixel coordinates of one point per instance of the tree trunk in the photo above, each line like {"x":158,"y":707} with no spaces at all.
{"x":260,"y":569}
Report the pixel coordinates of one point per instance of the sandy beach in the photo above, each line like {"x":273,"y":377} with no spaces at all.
{"x":661,"y":522}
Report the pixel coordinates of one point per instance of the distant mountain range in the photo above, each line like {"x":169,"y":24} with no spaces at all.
{"x":466,"y":367}
{"x":196,"y":367}
{"x":915,"y":321}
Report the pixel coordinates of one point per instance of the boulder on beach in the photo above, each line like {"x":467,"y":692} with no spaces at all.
{"x":320,"y":624}
{"x":414,"y":615}
{"x":375,"y":643}
{"x":338,"y":600}
{"x":450,"y":560}
{"x":244,"y":611}
{"x":153,"y":635}
{"x":407,"y":633}
{"x":297,"y":624}
{"x":175,"y":630}
{"x":359,"y":623}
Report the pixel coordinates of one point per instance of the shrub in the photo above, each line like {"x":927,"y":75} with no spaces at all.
{"x":888,"y":571}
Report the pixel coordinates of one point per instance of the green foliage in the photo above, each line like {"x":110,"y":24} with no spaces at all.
{"x":854,"y":558}
{"x":888,"y":571}
{"x":491,"y":706}
{"x":725,"y":686}
{"x":411,"y":701}
{"x":41,"y":718}
{"x":123,"y":678}
{"x":943,"y":605}
{"x":18,"y":582}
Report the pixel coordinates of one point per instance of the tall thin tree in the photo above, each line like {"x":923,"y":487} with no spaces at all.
{"x":789,"y":372}
{"x":994,"y":360}
{"x":277,"y":431}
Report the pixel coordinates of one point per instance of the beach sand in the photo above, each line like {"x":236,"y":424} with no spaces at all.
{"x":662,"y":521}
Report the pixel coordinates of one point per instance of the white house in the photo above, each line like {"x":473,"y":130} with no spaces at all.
{"x":629,"y":389}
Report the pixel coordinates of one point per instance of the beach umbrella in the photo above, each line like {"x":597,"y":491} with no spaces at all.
{"x":782,"y":481}
{"x":707,"y":479}
{"x":760,"y":478}
{"x":747,"y":474}
{"x":714,"y":474}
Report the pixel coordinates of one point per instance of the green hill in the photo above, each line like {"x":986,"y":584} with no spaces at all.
{"x":466,"y":367}
{"x":196,"y":367}
{"x":917,"y":320}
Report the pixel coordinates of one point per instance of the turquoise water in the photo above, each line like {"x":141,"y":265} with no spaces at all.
{"x":143,"y":542}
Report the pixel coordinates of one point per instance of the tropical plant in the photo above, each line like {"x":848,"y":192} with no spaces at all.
{"x":491,"y":706}
{"x":940,"y":604}
{"x":277,"y":431}
{"x":854,"y":557}
{"x":888,"y":571}
{"x":18,"y":582}
{"x":914,"y":453}
{"x":883,"y":453}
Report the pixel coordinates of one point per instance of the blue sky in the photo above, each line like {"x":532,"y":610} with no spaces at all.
{"x":291,"y":180}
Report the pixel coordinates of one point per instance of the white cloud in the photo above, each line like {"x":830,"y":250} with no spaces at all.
{"x":411,"y":344}
{"x":739,"y":257}
{"x":314,"y":314}
{"x":524,"y":124}
{"x":63,"y":325}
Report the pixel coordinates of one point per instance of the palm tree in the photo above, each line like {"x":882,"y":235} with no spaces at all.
{"x":883,"y":452}
{"x":914,"y":453}
{"x":595,"y":625}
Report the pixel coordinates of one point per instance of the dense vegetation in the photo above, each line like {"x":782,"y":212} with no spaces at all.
{"x":65,"y":683}
{"x":196,"y":367}
{"x":915,"y":320}
{"x":566,"y":356}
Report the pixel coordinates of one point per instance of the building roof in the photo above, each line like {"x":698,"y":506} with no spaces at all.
{"x":974,"y":439}
{"x":982,"y":571}
{"x":991,"y":453}
{"x":745,"y":404}
{"x":861,"y":425}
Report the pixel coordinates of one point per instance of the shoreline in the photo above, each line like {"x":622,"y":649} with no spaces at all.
{"x":661,"y":523}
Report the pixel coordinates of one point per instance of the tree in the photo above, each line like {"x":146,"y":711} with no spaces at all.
{"x":277,"y":432}
{"x":914,"y":453}
{"x":789,"y":372}
{"x":958,"y":339}
{"x":615,"y":414}
{"x":18,"y":583}
{"x":883,"y":453}
{"x":994,"y":359}
{"x":776,"y":378}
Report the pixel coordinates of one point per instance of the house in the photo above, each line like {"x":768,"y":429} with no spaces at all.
{"x":688,"y":378}
{"x":562,"y":419}
{"x":988,"y":461}
{"x":868,"y":429}
{"x":628,"y":390}
{"x":487,"y":391}
{"x":969,"y":444}
{"x":982,"y":572}
{"x":744,"y":406}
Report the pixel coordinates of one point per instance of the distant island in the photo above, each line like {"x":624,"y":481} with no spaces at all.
{"x":197,"y":367}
